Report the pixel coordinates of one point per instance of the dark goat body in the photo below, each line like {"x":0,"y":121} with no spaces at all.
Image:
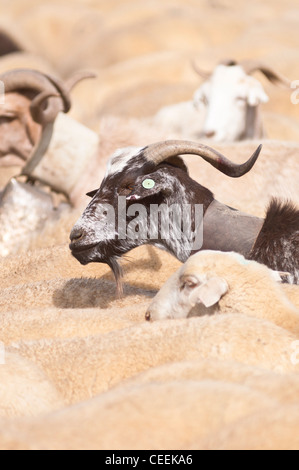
{"x":273,"y":241}
{"x":277,"y":245}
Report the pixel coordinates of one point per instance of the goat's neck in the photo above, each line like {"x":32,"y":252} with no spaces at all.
{"x":254,"y":127}
{"x":227,"y":229}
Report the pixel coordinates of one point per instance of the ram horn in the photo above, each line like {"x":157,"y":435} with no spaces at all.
{"x":161,"y":151}
{"x":202,"y":73}
{"x":77,"y":77}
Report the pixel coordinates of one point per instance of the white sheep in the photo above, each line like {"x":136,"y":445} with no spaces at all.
{"x":24,"y":388}
{"x":212,"y":282}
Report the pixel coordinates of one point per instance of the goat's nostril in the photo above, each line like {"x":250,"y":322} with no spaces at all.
{"x":76,"y":235}
{"x":210,"y":134}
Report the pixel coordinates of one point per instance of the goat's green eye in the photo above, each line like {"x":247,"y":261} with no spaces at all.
{"x":148,"y":184}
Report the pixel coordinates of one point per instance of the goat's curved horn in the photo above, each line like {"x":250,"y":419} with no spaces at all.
{"x":49,"y":114}
{"x":22,"y":79}
{"x":273,"y":76}
{"x":78,"y":77}
{"x":39,"y":113}
{"x":161,"y":151}
{"x":202,"y":73}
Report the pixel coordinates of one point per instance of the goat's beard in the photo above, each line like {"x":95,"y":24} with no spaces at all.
{"x":118,"y":274}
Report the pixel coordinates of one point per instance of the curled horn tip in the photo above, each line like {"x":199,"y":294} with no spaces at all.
{"x":79,"y":77}
{"x":200,"y":72}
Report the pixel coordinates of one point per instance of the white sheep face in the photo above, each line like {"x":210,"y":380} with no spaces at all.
{"x":186,"y":289}
{"x":229,"y":95}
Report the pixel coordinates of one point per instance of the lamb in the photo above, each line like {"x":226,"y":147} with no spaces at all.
{"x":211,"y":282}
{"x":226,"y":107}
{"x":157,"y":179}
{"x":25,"y":390}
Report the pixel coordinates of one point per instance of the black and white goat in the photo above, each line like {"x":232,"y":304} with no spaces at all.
{"x":157,"y":177}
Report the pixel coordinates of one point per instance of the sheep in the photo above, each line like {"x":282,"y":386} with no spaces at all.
{"x":225,"y":107}
{"x":211,"y":282}
{"x":161,"y":416}
{"x":55,"y":322}
{"x":157,"y":178}
{"x":83,"y":367}
{"x":292,"y":291}
{"x":259,"y":431}
{"x":282,"y":388}
{"x":25,"y":390}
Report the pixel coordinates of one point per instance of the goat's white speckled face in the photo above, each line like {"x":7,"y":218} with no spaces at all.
{"x":120,"y":159}
{"x":228,"y":95}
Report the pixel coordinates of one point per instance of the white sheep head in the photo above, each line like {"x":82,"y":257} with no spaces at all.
{"x":204,"y":280}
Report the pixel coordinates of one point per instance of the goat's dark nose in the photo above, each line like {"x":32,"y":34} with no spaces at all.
{"x":210,"y":134}
{"x":76,"y":234}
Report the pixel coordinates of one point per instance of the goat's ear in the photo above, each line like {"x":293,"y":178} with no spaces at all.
{"x":178,"y":162}
{"x":207,"y":293}
{"x":256,"y":93}
{"x":92,"y":193}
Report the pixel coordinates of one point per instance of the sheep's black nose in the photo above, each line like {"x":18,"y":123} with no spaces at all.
{"x":76,"y":234}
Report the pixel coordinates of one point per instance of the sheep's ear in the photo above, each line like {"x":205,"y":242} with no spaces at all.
{"x":209,"y":292}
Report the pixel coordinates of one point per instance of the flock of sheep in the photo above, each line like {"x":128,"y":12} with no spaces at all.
{"x":201,"y":350}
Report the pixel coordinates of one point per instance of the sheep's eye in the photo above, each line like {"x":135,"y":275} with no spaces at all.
{"x":148,"y":184}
